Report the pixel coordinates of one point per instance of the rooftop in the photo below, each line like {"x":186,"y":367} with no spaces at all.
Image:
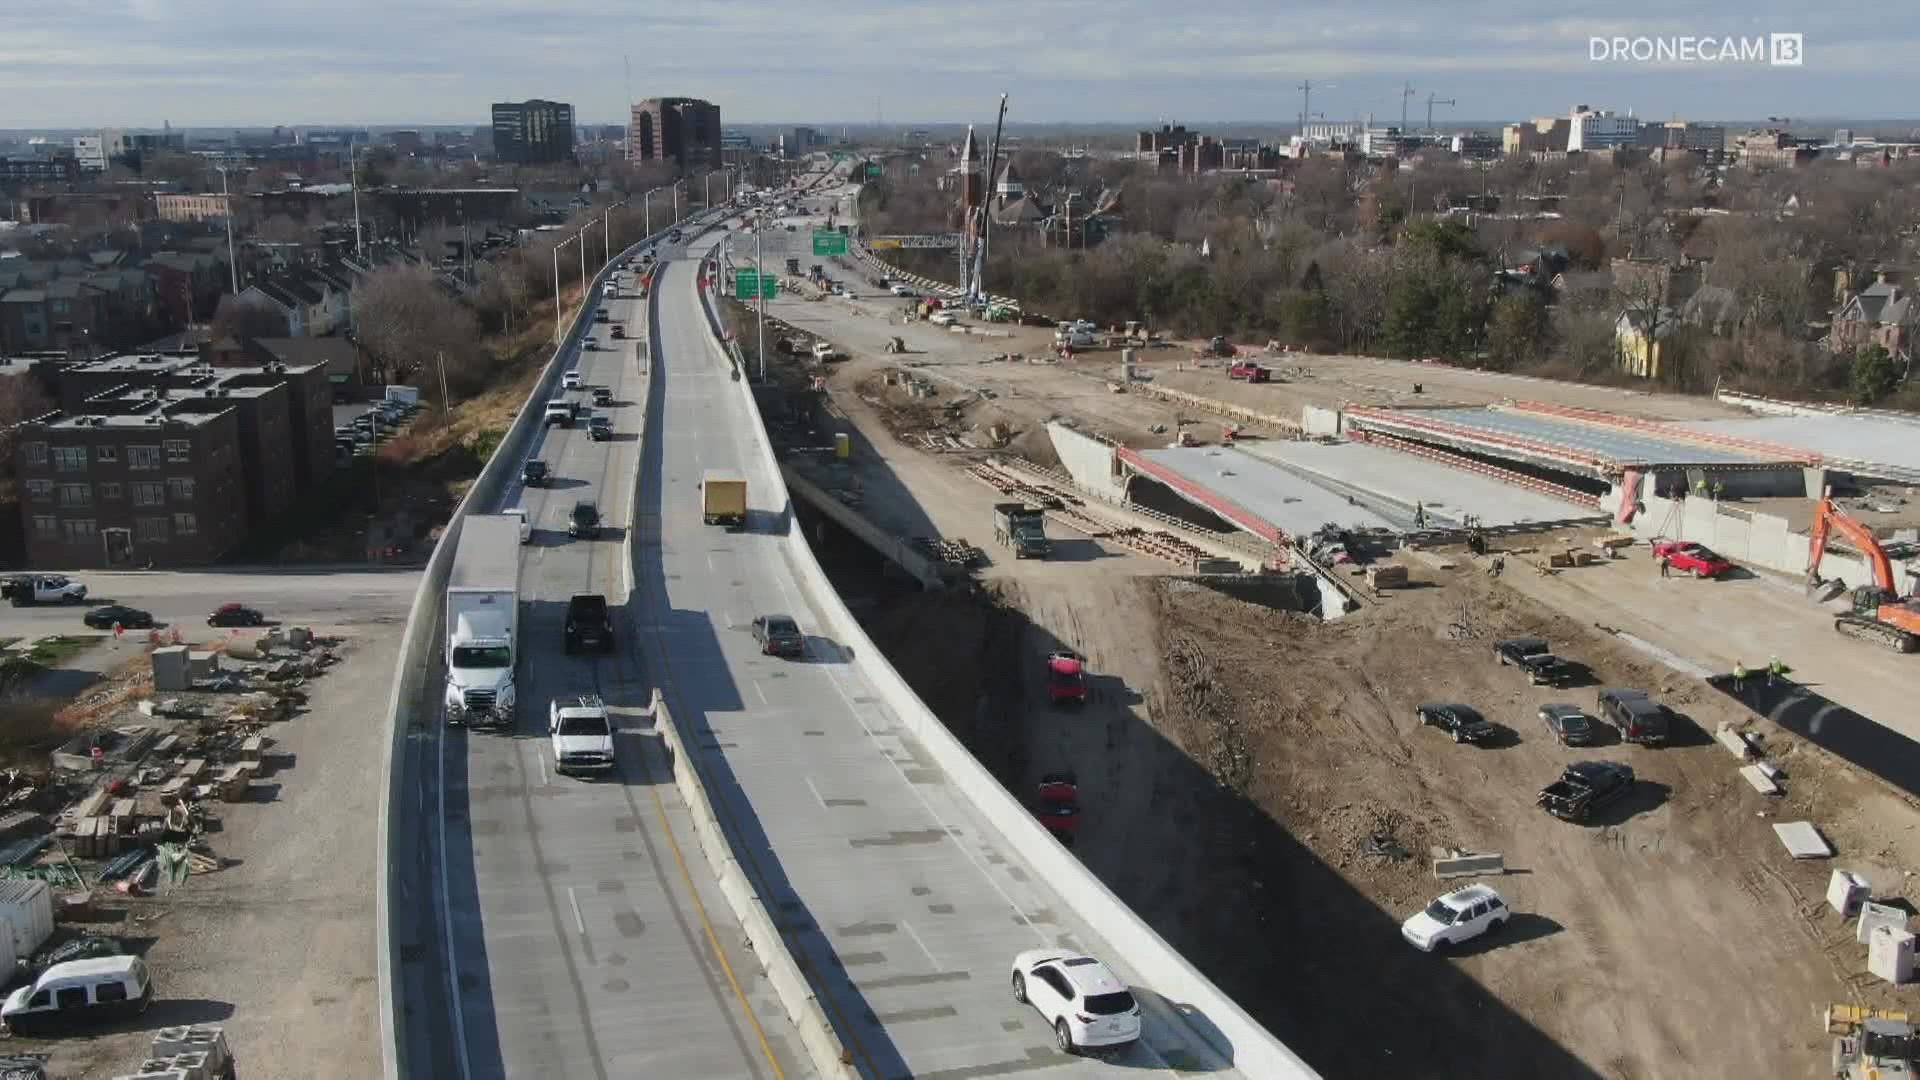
{"x":149,"y":419}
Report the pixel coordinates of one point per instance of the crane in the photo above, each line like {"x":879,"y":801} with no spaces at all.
{"x":1880,"y":614}
{"x":1406,"y":91}
{"x":1432,"y":100}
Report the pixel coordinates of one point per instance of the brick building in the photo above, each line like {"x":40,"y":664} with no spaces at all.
{"x":164,"y":483}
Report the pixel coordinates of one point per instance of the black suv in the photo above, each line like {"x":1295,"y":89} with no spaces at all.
{"x":1463,"y":722}
{"x":584,"y":523}
{"x":1638,"y":717}
{"x":589,"y":624}
{"x":599,"y":428}
{"x":533,"y":473}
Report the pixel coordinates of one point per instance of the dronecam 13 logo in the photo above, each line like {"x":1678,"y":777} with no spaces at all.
{"x":1779,"y":50}
{"x":1786,"y":50}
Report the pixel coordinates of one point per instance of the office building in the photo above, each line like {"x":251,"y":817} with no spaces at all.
{"x":532,"y":132}
{"x":1600,"y":129}
{"x":684,"y":132}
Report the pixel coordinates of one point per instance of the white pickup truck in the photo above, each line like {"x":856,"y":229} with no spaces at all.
{"x":42,"y":589}
{"x":582,"y":737}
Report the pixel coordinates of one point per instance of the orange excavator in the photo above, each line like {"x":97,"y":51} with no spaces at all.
{"x":1880,"y":614}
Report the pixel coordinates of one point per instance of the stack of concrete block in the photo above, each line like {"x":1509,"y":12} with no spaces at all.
{"x":233,"y":782}
{"x":94,"y":837}
{"x":154,"y":1074}
{"x":170,"y":668}
{"x":183,"y":1066}
{"x":203,"y":665}
{"x":204,"y":1044}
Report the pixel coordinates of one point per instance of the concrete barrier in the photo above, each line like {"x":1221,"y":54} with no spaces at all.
{"x":1140,"y":952}
{"x":414,"y":661}
{"x":769,"y":946}
{"x":1469,"y":866}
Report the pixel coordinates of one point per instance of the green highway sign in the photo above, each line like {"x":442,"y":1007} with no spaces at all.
{"x":746,"y":284}
{"x":769,"y":287}
{"x":873,"y":170}
{"x":841,"y":155}
{"x":827,"y":242}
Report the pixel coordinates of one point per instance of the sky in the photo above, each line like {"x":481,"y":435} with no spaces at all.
{"x":218,"y":63}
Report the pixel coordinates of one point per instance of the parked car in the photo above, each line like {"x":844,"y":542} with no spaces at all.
{"x":1635,"y":715}
{"x":533,"y":473}
{"x":1687,"y":557}
{"x":1058,"y":805}
{"x":1463,"y":722}
{"x":779,"y":635}
{"x":1080,"y":998}
{"x":1066,"y":678}
{"x":584,"y":522}
{"x":943,"y":318}
{"x":1531,"y":655}
{"x":236,"y":615}
{"x":823,"y":352}
{"x":1250,"y":371}
{"x":79,"y":993}
{"x":1584,"y":787}
{"x":902,"y":291}
{"x":1457,"y":917}
{"x":1570,"y":724}
{"x":106,"y":618}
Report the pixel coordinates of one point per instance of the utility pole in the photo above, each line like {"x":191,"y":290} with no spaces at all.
{"x":1306,"y":105}
{"x":1432,"y":100}
{"x":441,"y":359}
{"x":226,"y":200}
{"x":353,"y":162}
{"x":1406,"y":91}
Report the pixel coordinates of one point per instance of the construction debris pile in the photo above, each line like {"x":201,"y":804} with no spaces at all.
{"x":952,"y":552}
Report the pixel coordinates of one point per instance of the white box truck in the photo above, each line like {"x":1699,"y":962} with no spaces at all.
{"x":26,"y":922}
{"x":483,"y":621}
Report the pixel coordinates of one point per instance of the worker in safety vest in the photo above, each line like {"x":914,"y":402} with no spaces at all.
{"x":1775,"y":670}
{"x":1739,"y":673}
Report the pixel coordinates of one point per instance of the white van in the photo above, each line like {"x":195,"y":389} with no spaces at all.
{"x":80,"y":992}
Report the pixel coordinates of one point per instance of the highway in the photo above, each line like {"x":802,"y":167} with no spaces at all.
{"x":904,"y":904}
{"x":577,"y":929}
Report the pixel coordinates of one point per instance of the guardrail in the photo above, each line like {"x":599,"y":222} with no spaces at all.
{"x":1229,"y":1032}
{"x":415,"y":661}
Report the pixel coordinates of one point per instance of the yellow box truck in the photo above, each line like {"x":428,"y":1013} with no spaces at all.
{"x":723,"y":498}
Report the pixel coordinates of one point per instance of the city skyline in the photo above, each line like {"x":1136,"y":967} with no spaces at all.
{"x":195,"y":63}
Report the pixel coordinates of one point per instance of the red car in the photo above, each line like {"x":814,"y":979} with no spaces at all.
{"x":1066,"y":678}
{"x":1058,"y":806}
{"x":1250,"y":371}
{"x":1688,"y":557}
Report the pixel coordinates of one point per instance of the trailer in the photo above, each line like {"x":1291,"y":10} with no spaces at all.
{"x":483,"y":621}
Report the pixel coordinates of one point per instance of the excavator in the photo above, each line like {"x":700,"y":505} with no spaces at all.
{"x":1880,"y":614}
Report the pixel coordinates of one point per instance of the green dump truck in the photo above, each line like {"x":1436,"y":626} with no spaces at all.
{"x":1022,"y":528}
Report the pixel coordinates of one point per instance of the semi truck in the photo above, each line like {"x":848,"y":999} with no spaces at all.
{"x":1022,"y":528}
{"x":483,"y":621}
{"x":723,"y":498}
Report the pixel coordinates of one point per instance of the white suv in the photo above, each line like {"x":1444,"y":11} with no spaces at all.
{"x":582,"y":738}
{"x":571,"y":381}
{"x":1459,"y":916}
{"x":1081,"y":999}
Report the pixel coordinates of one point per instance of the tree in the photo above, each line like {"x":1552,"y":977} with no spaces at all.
{"x":1875,"y":374}
{"x":1517,"y":332}
{"x":237,"y":318}
{"x":411,"y":326}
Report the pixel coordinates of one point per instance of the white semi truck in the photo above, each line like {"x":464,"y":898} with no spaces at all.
{"x":483,"y":621}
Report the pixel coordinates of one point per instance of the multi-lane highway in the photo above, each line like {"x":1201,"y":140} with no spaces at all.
{"x":903,"y":902}
{"x":579,"y":932}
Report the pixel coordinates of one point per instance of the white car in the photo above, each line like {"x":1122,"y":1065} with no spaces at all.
{"x":943,"y":318}
{"x":572,"y":380}
{"x":903,"y":291}
{"x":582,"y":738}
{"x":824,"y":352}
{"x":1459,"y":916}
{"x":1080,"y":998}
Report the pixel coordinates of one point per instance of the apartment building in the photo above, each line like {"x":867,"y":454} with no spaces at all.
{"x":683,"y":131}
{"x":163,"y":483}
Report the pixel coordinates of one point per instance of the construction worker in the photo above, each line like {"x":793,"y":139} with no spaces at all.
{"x":1739,"y":673}
{"x":1419,"y":515}
{"x":1775,"y":670}
{"x":1666,"y":567}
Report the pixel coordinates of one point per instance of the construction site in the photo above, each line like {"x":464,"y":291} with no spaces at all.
{"x":1265,"y":563}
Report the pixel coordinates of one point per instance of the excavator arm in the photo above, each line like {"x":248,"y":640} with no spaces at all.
{"x":1827,"y":516}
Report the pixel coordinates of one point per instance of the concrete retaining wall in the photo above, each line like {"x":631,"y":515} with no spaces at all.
{"x":1318,"y":421}
{"x":411,"y":702}
{"x":1141,"y":953}
{"x":895,"y":549}
{"x":1088,"y":460}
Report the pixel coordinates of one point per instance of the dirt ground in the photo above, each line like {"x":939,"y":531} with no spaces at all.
{"x":277,"y":946}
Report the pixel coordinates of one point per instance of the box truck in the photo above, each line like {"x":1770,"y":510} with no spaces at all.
{"x":723,"y":498}
{"x":483,"y":621}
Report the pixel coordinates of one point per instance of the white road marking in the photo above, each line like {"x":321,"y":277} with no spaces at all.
{"x":578,"y":923}
{"x":908,"y":927}
{"x":446,"y":921}
{"x":761,"y":694}
{"x":542,"y":760}
{"x":816,"y":792}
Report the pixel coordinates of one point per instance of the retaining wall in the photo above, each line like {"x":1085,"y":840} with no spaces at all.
{"x":1088,"y":460}
{"x":409,"y":703}
{"x":1144,"y":954}
{"x":894,"y":548}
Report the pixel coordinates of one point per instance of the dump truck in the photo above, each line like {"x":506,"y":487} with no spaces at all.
{"x":1022,"y":528}
{"x":483,"y":621}
{"x":723,"y":498}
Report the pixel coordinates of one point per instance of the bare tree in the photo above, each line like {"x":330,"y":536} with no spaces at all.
{"x":411,"y":325}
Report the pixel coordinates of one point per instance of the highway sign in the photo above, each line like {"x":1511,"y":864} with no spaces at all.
{"x":746,"y":284}
{"x":918,"y":243}
{"x":829,"y":243}
{"x":841,"y":155}
{"x":873,"y":170}
{"x":769,"y":287}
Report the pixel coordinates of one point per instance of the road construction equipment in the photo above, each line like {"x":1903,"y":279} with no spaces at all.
{"x":1880,"y":614}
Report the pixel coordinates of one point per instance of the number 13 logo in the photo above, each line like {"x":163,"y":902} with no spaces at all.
{"x":1786,"y":50}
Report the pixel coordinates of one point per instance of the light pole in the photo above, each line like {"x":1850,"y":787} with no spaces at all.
{"x":583,"y":260}
{"x":646,"y":209}
{"x":226,"y":202}
{"x":760,"y":320}
{"x":557,"y":314}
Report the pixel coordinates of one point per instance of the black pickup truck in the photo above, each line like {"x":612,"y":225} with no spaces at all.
{"x":1531,"y":655}
{"x":1586,"y":786}
{"x":589,"y":624}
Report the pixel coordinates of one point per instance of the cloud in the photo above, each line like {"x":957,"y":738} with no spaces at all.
{"x":215,"y":62}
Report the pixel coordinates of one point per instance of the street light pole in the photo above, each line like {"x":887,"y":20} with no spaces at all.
{"x":760,"y":275}
{"x":226,"y":201}
{"x":557,"y":313}
{"x":583,"y":261}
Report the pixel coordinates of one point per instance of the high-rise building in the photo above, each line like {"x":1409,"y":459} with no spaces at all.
{"x":1600,"y":129}
{"x":533,"y":132}
{"x":800,"y":140}
{"x":683,"y":131}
